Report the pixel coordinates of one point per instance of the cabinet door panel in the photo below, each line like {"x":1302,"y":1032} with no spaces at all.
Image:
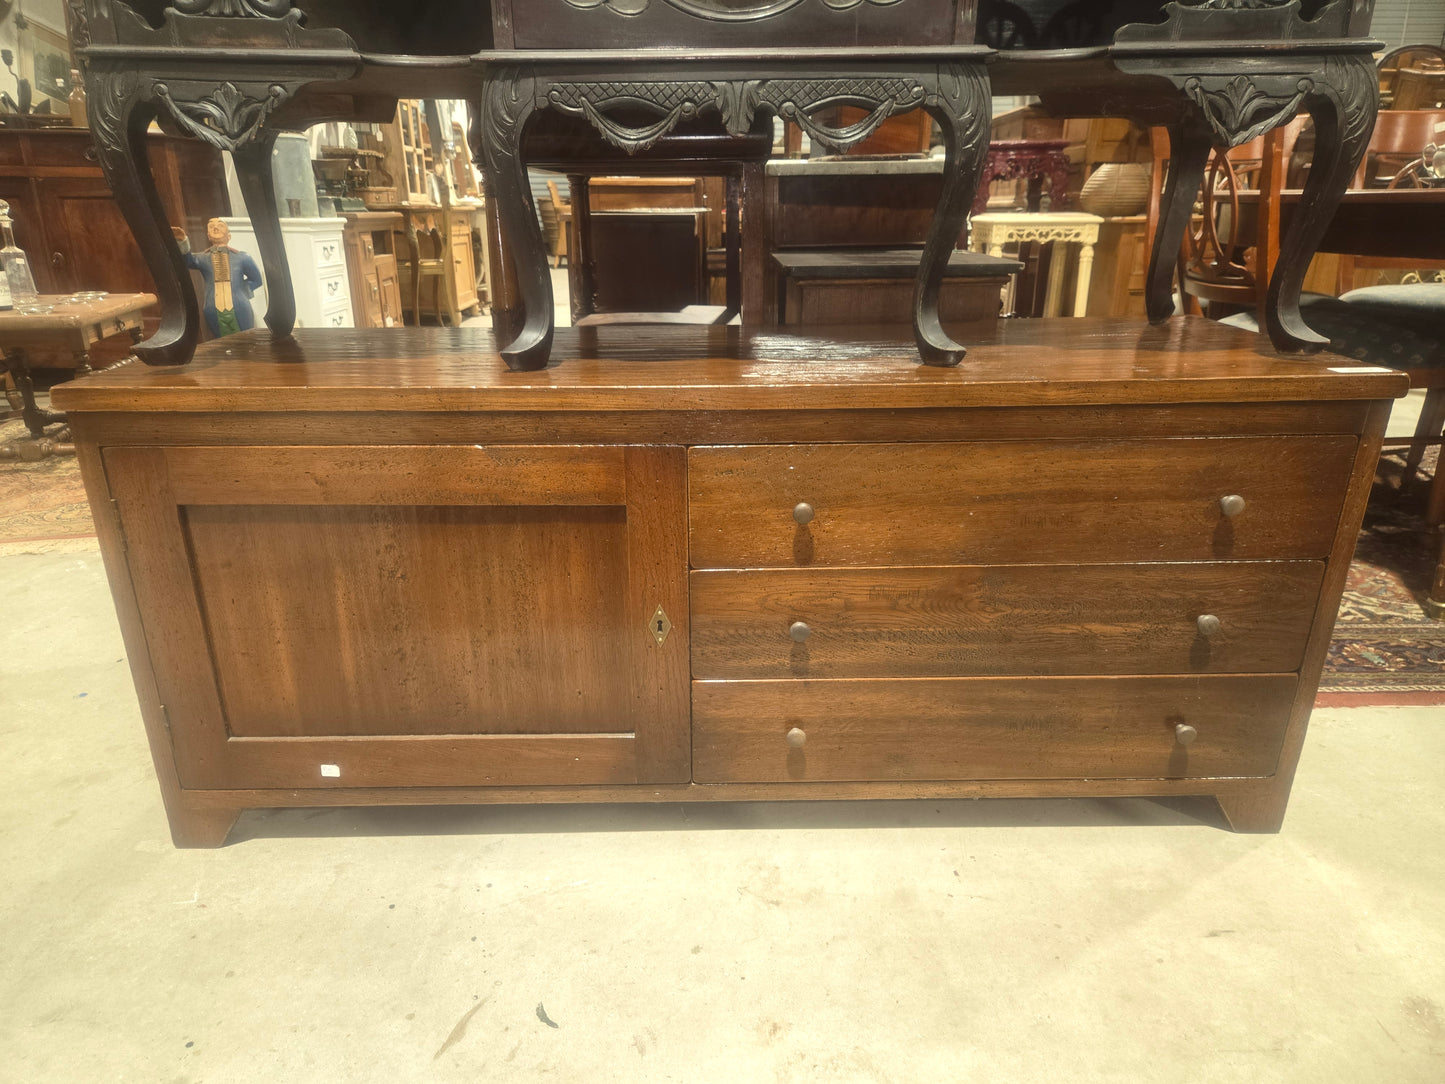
{"x":473,"y":616}
{"x":92,"y":247}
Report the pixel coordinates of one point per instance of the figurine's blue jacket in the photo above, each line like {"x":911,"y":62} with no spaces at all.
{"x":245,"y":281}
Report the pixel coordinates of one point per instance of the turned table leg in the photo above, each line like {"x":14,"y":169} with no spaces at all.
{"x":18,"y":366}
{"x":1086,"y":272}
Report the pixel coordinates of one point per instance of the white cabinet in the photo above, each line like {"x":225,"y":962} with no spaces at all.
{"x":317,"y":254}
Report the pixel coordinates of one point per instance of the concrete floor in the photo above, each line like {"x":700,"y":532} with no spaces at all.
{"x":934,"y":941}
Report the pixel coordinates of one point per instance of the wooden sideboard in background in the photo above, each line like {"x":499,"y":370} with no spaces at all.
{"x":66,"y":218}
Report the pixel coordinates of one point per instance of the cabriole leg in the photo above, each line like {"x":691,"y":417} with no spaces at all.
{"x":1189,"y":147}
{"x":258,"y":188}
{"x":1343,"y":102}
{"x":498,"y":120}
{"x":959,"y":101}
{"x":122,"y":111}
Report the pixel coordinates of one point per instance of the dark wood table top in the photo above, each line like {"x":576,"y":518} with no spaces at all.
{"x":887,"y":263}
{"x":1408,"y":222}
{"x":1061,"y":362}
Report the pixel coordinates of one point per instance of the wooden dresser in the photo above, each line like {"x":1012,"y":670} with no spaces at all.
{"x":688,"y":564}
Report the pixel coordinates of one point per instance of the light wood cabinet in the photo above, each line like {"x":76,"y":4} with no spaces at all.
{"x":371,"y":262}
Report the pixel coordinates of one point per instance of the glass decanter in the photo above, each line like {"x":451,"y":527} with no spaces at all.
{"x":17,"y":267}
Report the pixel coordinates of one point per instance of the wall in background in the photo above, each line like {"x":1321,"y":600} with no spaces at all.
{"x":1409,"y":22}
{"x":41,"y":53}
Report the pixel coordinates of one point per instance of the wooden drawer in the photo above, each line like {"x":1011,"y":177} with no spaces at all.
{"x":1016,"y":501}
{"x":329,"y":253}
{"x":989,"y":728}
{"x":333,"y":288}
{"x":1003,"y":620}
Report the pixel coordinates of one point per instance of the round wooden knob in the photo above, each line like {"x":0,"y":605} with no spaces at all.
{"x":796,"y":738}
{"x":799,"y":631}
{"x":1208,"y":625}
{"x":1185,"y":734}
{"x":803,"y":514}
{"x":1231,"y":505}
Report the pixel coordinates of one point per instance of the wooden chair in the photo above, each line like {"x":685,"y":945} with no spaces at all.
{"x":563,"y":210}
{"x":428,"y":264}
{"x":1220,"y":266}
{"x":430,"y":252}
{"x":1412,"y":77}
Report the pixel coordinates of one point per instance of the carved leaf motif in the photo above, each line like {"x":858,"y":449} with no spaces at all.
{"x":1240,"y":110}
{"x":228,"y":118}
{"x":240,"y":9}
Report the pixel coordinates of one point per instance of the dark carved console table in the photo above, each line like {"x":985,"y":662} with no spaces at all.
{"x":236,"y":72}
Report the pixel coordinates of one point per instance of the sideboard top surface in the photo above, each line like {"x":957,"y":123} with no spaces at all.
{"x":1075,"y":362}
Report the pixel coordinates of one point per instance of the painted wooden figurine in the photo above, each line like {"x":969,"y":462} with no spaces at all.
{"x":231,"y":277}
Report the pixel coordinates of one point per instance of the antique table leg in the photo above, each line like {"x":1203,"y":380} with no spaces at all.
{"x":733,"y":245}
{"x":1342,"y":100}
{"x":258,"y":188}
{"x":959,"y":100}
{"x":508,"y":102}
{"x":1435,"y":602}
{"x":1086,"y":272}
{"x":18,"y":365}
{"x":122,"y":107}
{"x":1189,"y":146}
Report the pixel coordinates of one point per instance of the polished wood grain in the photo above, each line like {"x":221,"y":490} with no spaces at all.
{"x":1003,"y":620}
{"x":427,"y":475}
{"x":375,"y":620}
{"x":1023,"y":363}
{"x":192,"y":823}
{"x":358,"y":429}
{"x":294,"y":517}
{"x":987,"y":728}
{"x":446,"y":644}
{"x":987,"y":503}
{"x":1261,"y":807}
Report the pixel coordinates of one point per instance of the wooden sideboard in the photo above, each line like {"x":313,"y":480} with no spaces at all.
{"x":690,"y":564}
{"x":66,"y":217}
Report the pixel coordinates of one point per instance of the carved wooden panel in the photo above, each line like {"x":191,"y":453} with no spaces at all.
{"x":602,"y":24}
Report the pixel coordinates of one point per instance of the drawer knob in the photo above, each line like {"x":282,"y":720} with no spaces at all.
{"x":1185,"y":734}
{"x":1231,"y":505}
{"x":1208,"y":625}
{"x":803,"y":514}
{"x":796,"y":738}
{"x":799,"y":631}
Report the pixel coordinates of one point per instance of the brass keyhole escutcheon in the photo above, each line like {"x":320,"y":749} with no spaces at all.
{"x":660,"y":625}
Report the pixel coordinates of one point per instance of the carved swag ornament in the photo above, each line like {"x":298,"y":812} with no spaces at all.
{"x":721,"y":10}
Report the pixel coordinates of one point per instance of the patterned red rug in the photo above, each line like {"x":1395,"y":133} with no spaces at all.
{"x":1385,"y":649}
